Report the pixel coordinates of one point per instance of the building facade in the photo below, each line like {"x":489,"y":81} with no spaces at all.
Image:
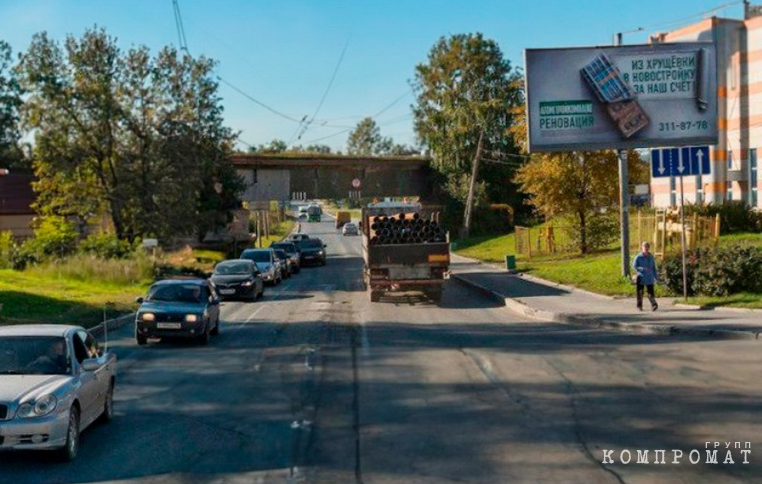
{"x":734,"y":160}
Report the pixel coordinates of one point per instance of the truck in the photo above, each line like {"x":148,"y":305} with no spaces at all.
{"x":342,"y":217}
{"x":404,"y":250}
{"x":314,"y":213}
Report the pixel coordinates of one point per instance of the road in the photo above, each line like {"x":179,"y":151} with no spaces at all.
{"x":315,"y":384}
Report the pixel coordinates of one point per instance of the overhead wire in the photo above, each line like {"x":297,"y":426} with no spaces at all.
{"x":685,"y":19}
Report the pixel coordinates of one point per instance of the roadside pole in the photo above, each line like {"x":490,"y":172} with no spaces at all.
{"x":624,"y":216}
{"x":682,"y":231}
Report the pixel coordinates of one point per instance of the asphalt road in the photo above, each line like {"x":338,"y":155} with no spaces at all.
{"x":316,"y":384}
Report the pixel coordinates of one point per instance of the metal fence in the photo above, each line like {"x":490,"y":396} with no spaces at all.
{"x":662,"y":229}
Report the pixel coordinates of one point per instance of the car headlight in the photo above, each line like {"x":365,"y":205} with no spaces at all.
{"x":247,"y":283}
{"x":148,"y":316}
{"x":43,"y":406}
{"x":320,"y":252}
{"x":191,"y":318}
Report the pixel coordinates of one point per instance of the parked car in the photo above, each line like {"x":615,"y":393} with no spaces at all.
{"x":350,"y":228}
{"x":313,"y":250}
{"x":293,"y":253}
{"x":267,"y":262}
{"x":184,"y":308}
{"x":54,"y":382}
{"x":238,"y":278}
{"x":287,"y":265}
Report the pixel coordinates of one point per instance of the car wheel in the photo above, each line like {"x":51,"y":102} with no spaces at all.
{"x":140,"y":339}
{"x":204,"y":337}
{"x":261,"y":292}
{"x":108,"y":406}
{"x":70,"y":450}
{"x":216,"y":330}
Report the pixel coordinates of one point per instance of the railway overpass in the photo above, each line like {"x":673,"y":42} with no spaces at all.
{"x":285,"y":177}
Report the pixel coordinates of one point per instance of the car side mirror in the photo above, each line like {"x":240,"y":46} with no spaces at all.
{"x":324,"y":246}
{"x":91,"y":364}
{"x":208,"y":274}
{"x":139,"y":300}
{"x":213,"y":300}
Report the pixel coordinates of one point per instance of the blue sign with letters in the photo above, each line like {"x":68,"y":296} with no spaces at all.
{"x":692,"y":160}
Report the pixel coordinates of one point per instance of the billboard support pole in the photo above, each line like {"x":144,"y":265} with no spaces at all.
{"x":624,"y":216}
{"x":682,"y":231}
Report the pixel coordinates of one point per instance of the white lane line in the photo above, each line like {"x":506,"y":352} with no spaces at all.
{"x":262,"y":305}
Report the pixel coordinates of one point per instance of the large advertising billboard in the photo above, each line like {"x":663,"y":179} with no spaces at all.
{"x":634,"y":96}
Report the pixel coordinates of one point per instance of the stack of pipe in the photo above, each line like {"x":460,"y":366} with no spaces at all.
{"x":404,"y":229}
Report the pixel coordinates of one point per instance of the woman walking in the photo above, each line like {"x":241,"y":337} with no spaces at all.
{"x":646,"y":276}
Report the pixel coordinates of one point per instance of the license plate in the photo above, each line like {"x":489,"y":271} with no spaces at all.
{"x":169,"y":325}
{"x":227,"y":291}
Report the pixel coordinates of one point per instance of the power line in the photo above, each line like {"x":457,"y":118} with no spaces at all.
{"x":180,"y":28}
{"x":685,"y":19}
{"x":252,"y":99}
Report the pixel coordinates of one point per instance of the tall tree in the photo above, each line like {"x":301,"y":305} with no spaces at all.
{"x":11,"y":155}
{"x":578,"y":184}
{"x":465,"y":93}
{"x":140,"y":137}
{"x":366,"y":139}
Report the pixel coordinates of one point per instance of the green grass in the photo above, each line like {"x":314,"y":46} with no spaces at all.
{"x":278,"y":233}
{"x":209,"y":256}
{"x":38,"y":297}
{"x":596,"y":272}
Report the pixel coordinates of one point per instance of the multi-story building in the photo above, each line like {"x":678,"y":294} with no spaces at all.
{"x":735,"y":173}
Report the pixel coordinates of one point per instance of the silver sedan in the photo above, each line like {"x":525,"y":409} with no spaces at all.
{"x":54,"y":382}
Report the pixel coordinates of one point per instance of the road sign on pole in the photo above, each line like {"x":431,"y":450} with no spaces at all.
{"x":686,"y":161}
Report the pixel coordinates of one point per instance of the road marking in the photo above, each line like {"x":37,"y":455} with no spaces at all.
{"x":251,"y":317}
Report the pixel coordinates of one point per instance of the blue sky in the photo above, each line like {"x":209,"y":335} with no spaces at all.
{"x":283,"y":53}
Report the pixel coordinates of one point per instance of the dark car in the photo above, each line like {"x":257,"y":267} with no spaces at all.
{"x":238,"y":279}
{"x":187,"y":308}
{"x":267,"y":262}
{"x":287,"y":264}
{"x":293,"y":253}
{"x":313,"y":250}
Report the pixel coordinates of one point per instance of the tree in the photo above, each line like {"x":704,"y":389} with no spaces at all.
{"x":11,"y":155}
{"x":366,"y":140}
{"x":136,"y":136}
{"x":274,"y":146}
{"x":577,"y":184}
{"x":464,"y":96}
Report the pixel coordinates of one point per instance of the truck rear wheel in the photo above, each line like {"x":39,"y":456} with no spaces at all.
{"x":375,"y":296}
{"x":435,"y":295}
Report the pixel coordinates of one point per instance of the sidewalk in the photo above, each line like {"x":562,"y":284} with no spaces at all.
{"x":547,"y":301}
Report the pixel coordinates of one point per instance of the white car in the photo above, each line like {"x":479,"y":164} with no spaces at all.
{"x":350,"y":228}
{"x":54,"y":382}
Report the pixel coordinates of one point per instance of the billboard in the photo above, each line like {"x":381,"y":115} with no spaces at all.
{"x":634,"y":96}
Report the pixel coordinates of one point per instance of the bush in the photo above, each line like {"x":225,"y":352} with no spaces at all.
{"x":716,"y":272}
{"x":601,"y":231}
{"x":106,"y":246}
{"x":735,"y":216}
{"x":7,"y":248}
{"x":53,"y":237}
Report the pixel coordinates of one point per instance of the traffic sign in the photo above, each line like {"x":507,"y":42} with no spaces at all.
{"x":356,"y":183}
{"x":686,"y":161}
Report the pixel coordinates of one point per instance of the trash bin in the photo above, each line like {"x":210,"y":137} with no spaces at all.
{"x":510,"y":262}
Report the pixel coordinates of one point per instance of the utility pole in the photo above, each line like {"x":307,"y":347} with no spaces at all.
{"x":471,"y":187}
{"x":624,"y":218}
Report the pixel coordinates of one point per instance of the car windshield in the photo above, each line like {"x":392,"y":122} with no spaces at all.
{"x":289,"y":248}
{"x":34,"y":355}
{"x":228,"y":268}
{"x":281,"y":254}
{"x":311,"y":244}
{"x":175,"y":293}
{"x":257,"y":255}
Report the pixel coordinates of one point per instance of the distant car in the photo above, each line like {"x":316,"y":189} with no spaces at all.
{"x":350,"y":228}
{"x":54,"y":382}
{"x":288,"y":265}
{"x":238,"y":278}
{"x":185,"y":308}
{"x":313,"y":250}
{"x":293,"y":253}
{"x":267,"y":262}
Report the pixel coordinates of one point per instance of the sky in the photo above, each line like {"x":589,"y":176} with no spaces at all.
{"x":334,"y":62}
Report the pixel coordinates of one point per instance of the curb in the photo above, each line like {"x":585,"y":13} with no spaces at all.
{"x":112,"y":324}
{"x":522,"y":309}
